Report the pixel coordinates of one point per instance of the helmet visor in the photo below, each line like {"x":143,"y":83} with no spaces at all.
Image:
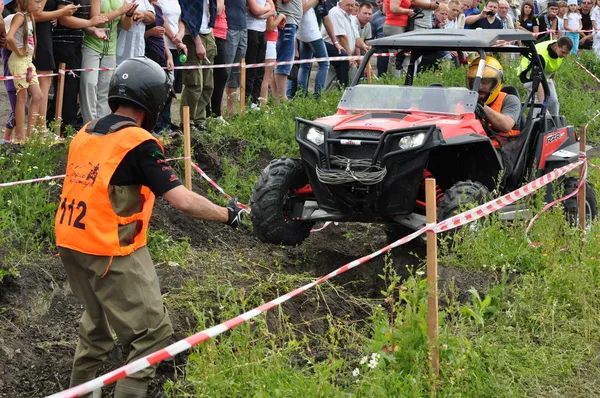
{"x":487,"y":85}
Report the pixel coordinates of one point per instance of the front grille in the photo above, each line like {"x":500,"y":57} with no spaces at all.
{"x":363,"y":151}
{"x":354,"y":151}
{"x":360,"y":134}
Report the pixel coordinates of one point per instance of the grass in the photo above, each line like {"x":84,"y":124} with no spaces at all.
{"x":533,"y":333}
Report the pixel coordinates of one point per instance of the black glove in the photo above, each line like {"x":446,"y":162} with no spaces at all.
{"x":480,"y":111}
{"x":236,"y":213}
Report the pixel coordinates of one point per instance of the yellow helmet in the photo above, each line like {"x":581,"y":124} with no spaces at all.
{"x":492,"y":77}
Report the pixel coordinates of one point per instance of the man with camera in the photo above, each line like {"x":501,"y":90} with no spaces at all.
{"x":487,"y":19}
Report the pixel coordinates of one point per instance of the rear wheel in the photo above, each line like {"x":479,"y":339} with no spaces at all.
{"x":572,"y":207}
{"x":273,"y":200}
{"x":460,"y":195}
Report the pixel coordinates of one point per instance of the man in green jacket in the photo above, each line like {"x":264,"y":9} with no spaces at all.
{"x":552,"y":53}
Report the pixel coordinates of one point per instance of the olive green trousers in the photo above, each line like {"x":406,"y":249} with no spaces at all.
{"x":120,"y":294}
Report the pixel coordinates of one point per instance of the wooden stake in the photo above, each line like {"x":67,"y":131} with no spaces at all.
{"x":243,"y":86}
{"x":369,"y":73}
{"x":59,"y":97}
{"x":187,"y":149}
{"x":582,"y":193}
{"x":432,"y":273}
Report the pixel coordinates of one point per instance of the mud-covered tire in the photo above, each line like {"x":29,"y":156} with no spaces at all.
{"x":459,"y":195}
{"x":572,"y":207}
{"x":270,"y":198}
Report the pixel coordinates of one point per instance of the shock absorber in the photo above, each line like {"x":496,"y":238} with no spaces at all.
{"x":439,"y":193}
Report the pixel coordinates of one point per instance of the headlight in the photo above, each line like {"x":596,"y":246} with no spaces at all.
{"x":411,"y":141}
{"x":315,"y":136}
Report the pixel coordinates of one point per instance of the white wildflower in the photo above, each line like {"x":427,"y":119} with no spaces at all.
{"x":420,"y":273}
{"x":9,"y":202}
{"x":356,"y":372}
{"x":372,"y":363}
{"x":35,"y":167}
{"x":375,"y":356}
{"x":364,"y":360}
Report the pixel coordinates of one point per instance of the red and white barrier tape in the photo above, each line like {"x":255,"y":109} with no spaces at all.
{"x":582,"y":179}
{"x":187,"y":343}
{"x":193,"y":67}
{"x":588,"y":71}
{"x":48,"y":178}
{"x":25,"y":77}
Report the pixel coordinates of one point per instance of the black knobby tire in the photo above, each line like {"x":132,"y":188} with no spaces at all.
{"x":572,"y":207}
{"x":459,"y":195}
{"x":272,"y":200}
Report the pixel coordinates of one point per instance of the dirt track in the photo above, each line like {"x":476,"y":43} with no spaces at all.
{"x":39,"y":315}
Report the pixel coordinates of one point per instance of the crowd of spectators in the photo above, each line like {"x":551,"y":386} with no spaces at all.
{"x":102,"y":33}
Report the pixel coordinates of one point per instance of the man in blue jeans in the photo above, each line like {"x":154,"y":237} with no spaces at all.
{"x":292,"y":9}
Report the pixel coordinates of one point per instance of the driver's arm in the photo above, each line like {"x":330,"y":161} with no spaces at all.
{"x":500,"y":122}
{"x":504,"y":121}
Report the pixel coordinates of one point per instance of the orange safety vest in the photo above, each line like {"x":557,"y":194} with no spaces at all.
{"x":85,"y":220}
{"x":500,"y":139}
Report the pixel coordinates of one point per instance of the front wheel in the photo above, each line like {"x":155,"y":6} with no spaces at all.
{"x":273,"y":200}
{"x":572,"y":207}
{"x":460,"y":195}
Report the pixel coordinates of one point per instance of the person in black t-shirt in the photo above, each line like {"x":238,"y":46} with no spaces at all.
{"x":586,"y":39}
{"x":104,"y":250}
{"x":67,"y":37}
{"x":487,"y":18}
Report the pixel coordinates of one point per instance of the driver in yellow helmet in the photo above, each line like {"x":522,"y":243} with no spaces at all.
{"x":498,"y":110}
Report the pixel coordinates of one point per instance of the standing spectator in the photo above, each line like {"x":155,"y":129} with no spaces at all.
{"x":397,"y":13}
{"x":236,"y":45}
{"x":504,"y":16}
{"x":346,"y":35}
{"x":99,"y":50}
{"x":596,"y":25}
{"x":587,"y":36}
{"x":199,"y":18}
{"x":377,"y":23}
{"x":271,"y":54}
{"x":427,"y":8}
{"x":44,"y":54}
{"x":21,"y":41}
{"x":573,"y":25}
{"x":527,"y":20}
{"x":563,"y":8}
{"x":257,"y":42}
{"x":9,"y":85}
{"x":311,"y":44}
{"x":549,"y":21}
{"x":453,"y":14}
{"x":362,"y":21}
{"x":174,"y":30}
{"x":440,"y":17}
{"x":131,"y":42}
{"x":472,"y":9}
{"x":219,"y":74}
{"x":540,"y":6}
{"x":156,"y":48}
{"x":514,"y":11}
{"x":293,"y":11}
{"x":67,"y":40}
{"x":486,"y":19}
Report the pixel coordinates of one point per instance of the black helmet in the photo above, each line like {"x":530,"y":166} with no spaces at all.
{"x":143,"y":82}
